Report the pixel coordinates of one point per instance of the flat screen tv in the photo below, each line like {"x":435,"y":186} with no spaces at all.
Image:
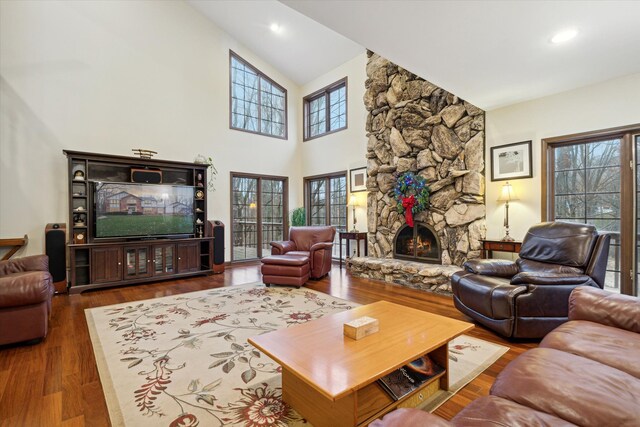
{"x":142,"y":210}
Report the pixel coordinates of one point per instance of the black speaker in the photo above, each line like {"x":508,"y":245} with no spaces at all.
{"x":215,"y":229}
{"x":148,"y":176}
{"x":55,"y":237}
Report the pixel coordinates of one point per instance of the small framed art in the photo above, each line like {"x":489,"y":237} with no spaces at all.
{"x":511,"y":161}
{"x":358,"y":180}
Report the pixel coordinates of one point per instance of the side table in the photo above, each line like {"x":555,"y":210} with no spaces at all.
{"x":352,"y":235}
{"x":488,"y":246}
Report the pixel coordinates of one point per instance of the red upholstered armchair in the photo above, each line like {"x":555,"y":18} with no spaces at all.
{"x":26,"y":288}
{"x":314,"y":242}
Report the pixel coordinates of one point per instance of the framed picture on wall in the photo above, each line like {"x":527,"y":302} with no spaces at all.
{"x":358,"y":180}
{"x":511,"y":161}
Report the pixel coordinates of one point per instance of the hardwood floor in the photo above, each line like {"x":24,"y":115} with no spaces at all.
{"x":56,"y":382}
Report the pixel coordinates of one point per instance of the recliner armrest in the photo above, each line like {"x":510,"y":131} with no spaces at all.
{"x":491,"y":267}
{"x":320,"y":245}
{"x":281,"y":248}
{"x":540,"y":278}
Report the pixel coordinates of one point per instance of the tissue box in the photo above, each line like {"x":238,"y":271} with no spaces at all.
{"x":361,"y":327}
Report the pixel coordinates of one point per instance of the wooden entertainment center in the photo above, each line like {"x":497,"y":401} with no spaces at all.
{"x":102,"y":261}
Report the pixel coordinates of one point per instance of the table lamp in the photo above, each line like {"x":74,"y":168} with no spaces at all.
{"x":506,"y":196}
{"x":353,"y":202}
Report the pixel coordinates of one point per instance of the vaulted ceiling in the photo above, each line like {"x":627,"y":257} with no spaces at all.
{"x":491,"y":53}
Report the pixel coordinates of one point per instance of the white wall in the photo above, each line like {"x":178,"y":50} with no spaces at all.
{"x":107,"y":77}
{"x":601,"y":106}
{"x":344,"y":150}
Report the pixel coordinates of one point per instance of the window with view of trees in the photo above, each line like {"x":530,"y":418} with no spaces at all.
{"x":258,"y":104}
{"x":325,"y":111}
{"x":326,"y":201}
{"x":586,"y":177}
{"x":258,"y":207}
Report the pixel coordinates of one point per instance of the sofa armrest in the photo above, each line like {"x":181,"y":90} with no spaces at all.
{"x":606,"y":308}
{"x":404,"y":417}
{"x":20,"y":265}
{"x":491,"y":267}
{"x":281,"y":248}
{"x":549,"y":279}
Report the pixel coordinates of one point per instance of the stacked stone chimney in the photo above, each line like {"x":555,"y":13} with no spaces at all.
{"x":413,"y":125}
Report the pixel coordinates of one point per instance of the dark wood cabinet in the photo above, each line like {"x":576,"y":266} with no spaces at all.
{"x":188,"y":257}
{"x":107,"y":264}
{"x":99,"y":261}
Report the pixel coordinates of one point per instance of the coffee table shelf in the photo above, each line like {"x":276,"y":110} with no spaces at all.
{"x":331,"y":379}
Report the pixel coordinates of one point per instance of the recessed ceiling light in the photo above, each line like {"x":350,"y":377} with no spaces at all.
{"x":275,"y":27}
{"x":564,"y":36}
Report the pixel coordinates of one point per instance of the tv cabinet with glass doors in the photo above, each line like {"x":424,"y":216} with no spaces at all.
{"x":98,"y":259}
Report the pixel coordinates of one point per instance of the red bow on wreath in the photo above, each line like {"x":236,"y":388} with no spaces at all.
{"x":407,"y":204}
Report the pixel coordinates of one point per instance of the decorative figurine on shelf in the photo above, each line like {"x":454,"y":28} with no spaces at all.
{"x":202,"y":160}
{"x":198,"y":221}
{"x":200,"y":233}
{"x":78,"y":175}
{"x":78,"y":220}
{"x":80,"y":209}
{"x":199,"y":180}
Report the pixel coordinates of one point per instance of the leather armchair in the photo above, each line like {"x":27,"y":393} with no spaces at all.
{"x":314,"y":242}
{"x":26,"y":288}
{"x":530,"y":297}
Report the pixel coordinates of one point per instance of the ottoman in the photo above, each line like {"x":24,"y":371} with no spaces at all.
{"x":292,"y":270}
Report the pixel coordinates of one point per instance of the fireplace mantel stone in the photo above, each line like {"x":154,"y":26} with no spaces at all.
{"x":417,"y":275}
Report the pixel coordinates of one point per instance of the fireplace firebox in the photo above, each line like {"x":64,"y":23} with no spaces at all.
{"x":418,"y":243}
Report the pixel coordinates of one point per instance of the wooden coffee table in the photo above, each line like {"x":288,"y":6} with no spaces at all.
{"x":331,"y":379}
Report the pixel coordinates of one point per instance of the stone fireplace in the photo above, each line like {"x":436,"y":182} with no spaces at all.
{"x":414,"y":125}
{"x":418,"y":243}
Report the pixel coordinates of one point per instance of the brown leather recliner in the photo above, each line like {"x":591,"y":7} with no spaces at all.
{"x":26,"y":288}
{"x":530,"y":297}
{"x":314,"y":242}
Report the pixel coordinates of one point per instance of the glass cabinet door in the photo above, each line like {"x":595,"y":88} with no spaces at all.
{"x":163,"y":259}
{"x":136,"y":262}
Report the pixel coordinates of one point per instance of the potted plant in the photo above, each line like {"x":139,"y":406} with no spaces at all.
{"x":210,"y":167}
{"x":298,"y":217}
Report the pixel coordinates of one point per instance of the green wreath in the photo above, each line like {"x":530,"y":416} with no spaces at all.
{"x":412,"y":195}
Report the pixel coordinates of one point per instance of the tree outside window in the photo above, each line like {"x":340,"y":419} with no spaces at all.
{"x":258,"y":104}
{"x":325,"y":111}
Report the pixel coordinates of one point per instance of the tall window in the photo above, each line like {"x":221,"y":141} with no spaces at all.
{"x":325,"y":111}
{"x":258,"y":104}
{"x":326,"y":201}
{"x":258,"y":214}
{"x":586,"y":180}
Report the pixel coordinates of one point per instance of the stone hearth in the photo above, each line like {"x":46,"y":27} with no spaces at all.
{"x":416,"y":275}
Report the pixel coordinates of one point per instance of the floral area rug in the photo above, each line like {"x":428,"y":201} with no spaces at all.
{"x":184,"y":360}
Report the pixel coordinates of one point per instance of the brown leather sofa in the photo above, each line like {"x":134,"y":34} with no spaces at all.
{"x":313,"y":242}
{"x":529,"y":297}
{"x":584,"y":373}
{"x":26,"y":288}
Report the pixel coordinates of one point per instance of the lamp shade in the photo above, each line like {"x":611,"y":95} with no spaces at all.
{"x":507,"y":194}
{"x":353,"y":200}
